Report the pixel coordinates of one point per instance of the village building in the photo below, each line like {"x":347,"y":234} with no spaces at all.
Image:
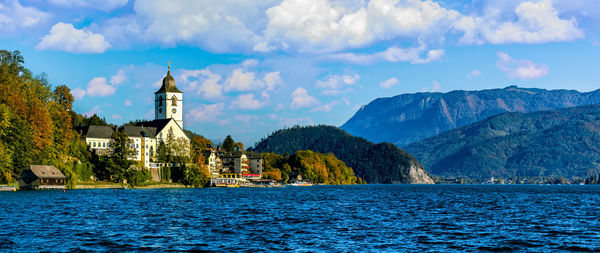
{"x":42,"y":177}
{"x":146,"y":136}
{"x":235,"y":162}
{"x":228,"y":168}
{"x":97,"y":138}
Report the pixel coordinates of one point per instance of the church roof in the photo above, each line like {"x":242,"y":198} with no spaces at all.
{"x":168,"y":84}
{"x":140,"y":131}
{"x":157,"y":124}
{"x":94,"y":131}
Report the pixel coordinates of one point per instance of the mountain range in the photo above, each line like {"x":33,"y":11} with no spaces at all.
{"x":561,"y":142}
{"x":409,"y":118}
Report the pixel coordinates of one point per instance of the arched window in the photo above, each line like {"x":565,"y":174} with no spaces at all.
{"x":174,"y":100}
{"x":151,"y":151}
{"x":159,"y":100}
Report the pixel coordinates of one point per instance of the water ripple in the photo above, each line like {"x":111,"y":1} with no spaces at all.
{"x":305,"y":219}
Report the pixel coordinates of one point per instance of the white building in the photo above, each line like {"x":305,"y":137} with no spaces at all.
{"x":146,"y":136}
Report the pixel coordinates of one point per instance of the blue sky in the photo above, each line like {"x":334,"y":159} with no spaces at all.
{"x":248,"y":68}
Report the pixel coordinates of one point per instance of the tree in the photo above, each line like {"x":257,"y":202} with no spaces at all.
{"x":121,"y":150}
{"x":180,"y":149}
{"x":200,"y":143}
{"x":195,"y":176}
{"x":239,"y":146}
{"x":229,"y":144}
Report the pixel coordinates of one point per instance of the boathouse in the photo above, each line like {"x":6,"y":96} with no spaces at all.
{"x":40,"y":177}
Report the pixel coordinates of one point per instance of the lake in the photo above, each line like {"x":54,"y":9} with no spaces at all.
{"x":318,"y":218}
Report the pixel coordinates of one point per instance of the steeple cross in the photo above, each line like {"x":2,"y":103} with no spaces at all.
{"x":169,"y":66}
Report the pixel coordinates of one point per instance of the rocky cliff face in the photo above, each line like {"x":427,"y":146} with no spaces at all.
{"x":409,"y":118}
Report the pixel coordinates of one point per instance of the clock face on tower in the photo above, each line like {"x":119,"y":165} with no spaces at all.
{"x":174,"y":110}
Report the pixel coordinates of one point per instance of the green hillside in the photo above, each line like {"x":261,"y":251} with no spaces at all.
{"x":562,"y":142}
{"x":375,"y":163}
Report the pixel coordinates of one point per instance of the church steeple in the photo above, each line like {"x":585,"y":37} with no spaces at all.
{"x":169,"y":100}
{"x":168,"y":83}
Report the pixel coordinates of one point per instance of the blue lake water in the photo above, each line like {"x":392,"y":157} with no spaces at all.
{"x":318,"y":218}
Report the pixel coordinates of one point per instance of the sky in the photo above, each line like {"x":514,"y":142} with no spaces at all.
{"x":250,"y":67}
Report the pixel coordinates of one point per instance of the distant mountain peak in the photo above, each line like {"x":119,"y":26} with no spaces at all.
{"x":407,"y":118}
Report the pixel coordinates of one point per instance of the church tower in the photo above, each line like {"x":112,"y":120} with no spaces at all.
{"x":168,"y":101}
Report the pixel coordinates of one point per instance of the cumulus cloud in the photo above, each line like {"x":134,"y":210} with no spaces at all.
{"x":301,"y":99}
{"x":389,"y":83}
{"x":247,"y":102}
{"x":337,"y":81}
{"x":272,"y":80}
{"x":474,"y":73}
{"x":242,"y":80}
{"x":104,"y":5}
{"x":98,"y":87}
{"x":206,"y":113}
{"x":533,"y":23}
{"x":65,"y":37}
{"x":78,"y":93}
{"x":327,"y":26}
{"x":203,"y":82}
{"x":222,"y":26}
{"x":412,"y":55}
{"x":14,"y":16}
{"x":118,"y":78}
{"x":523,"y":69}
{"x":128,"y":103}
{"x":117,"y":116}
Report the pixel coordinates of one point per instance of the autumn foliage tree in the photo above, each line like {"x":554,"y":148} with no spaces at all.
{"x":35,"y":121}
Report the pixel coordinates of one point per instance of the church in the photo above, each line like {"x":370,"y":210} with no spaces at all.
{"x":146,"y":136}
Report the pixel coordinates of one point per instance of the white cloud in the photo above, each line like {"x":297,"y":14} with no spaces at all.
{"x":207,"y":113}
{"x":104,"y":5}
{"x":337,"y":81}
{"x":392,"y":54}
{"x":326,"y":107}
{"x":65,"y":37}
{"x":249,"y":63}
{"x":117,"y":116}
{"x":217,"y":26}
{"x":533,"y":23}
{"x":78,"y":93}
{"x":118,"y":78}
{"x":474,"y":73}
{"x":207,"y":83}
{"x":272,"y":80}
{"x":389,"y":83}
{"x":128,"y":103}
{"x":301,"y":99}
{"x":327,"y":26}
{"x":242,"y":80}
{"x":247,"y":102}
{"x":98,"y":87}
{"x":14,"y":16}
{"x":523,"y":69}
